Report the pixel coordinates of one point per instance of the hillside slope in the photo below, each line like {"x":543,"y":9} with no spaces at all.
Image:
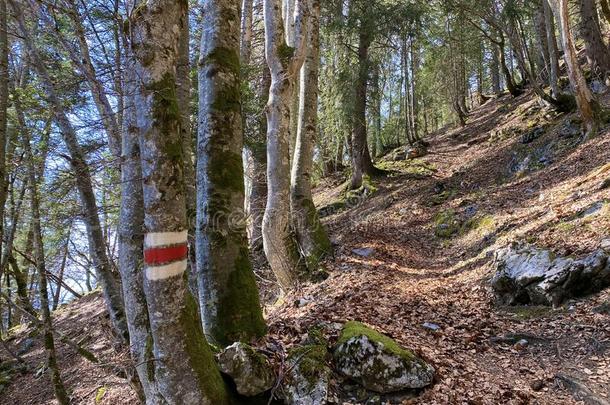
{"x":417,"y":251}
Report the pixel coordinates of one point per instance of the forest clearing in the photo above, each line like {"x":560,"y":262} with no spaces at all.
{"x":303,"y":202}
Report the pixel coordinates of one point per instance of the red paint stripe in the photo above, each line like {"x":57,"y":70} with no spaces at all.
{"x":164,"y":255}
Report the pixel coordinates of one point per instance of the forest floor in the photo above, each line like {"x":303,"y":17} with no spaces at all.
{"x":391,"y":271}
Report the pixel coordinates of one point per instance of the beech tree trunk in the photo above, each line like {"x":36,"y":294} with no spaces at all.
{"x":311,"y":236}
{"x":598,"y":54}
{"x":82,"y":175}
{"x":494,"y":69}
{"x":284,"y":63}
{"x":184,"y":367}
{"x":228,"y":294}
{"x":131,"y":243}
{"x":4,"y":78}
{"x":587,"y":105}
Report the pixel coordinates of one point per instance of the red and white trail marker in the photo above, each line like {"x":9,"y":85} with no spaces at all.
{"x":165,"y":254}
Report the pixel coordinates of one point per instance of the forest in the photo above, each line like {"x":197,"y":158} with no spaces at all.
{"x":304,"y":202}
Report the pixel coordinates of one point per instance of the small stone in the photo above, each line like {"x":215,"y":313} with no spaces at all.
{"x":25,"y":346}
{"x":363,"y":252}
{"x":605,"y":244}
{"x":521,"y":344}
{"x":432,"y":326}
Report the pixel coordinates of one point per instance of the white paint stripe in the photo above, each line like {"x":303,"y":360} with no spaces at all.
{"x":165,"y":271}
{"x":155,"y":239}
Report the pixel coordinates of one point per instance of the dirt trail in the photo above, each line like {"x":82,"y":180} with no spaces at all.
{"x":413,"y":276}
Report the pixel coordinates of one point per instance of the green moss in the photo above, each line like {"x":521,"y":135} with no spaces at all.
{"x":225,"y":170}
{"x":482,"y":224}
{"x":225,"y":58}
{"x":310,"y":359}
{"x":149,"y":358}
{"x":101,"y":392}
{"x":322,"y":245}
{"x":353,"y":329}
{"x":285,"y":53}
{"x":239,"y":316}
{"x":166,"y":115}
{"x":446,"y":224}
{"x":200,"y":356}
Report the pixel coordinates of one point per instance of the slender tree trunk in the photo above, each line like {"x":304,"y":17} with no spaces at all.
{"x":58,"y":387}
{"x":311,"y":236}
{"x":245,"y":44}
{"x":184,"y":366}
{"x":361,"y":158}
{"x":605,"y":5}
{"x":552,"y":48}
{"x":284,"y":63}
{"x":494,"y":68}
{"x":82,"y":174}
{"x":587,"y":105}
{"x":228,"y":294}
{"x":598,"y":53}
{"x":60,"y":276}
{"x":4,"y":79}
{"x":131,"y":243}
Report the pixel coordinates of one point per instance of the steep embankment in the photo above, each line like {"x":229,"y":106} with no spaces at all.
{"x":417,"y":251}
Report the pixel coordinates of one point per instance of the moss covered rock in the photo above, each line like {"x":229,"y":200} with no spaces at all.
{"x":377,"y":362}
{"x":308,"y":376}
{"x":249,"y":369}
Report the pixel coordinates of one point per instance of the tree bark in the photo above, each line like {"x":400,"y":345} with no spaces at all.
{"x":4,"y":79}
{"x":184,"y":366}
{"x":228,"y":294}
{"x":587,"y":105}
{"x":311,"y":236}
{"x":284,"y":63}
{"x":361,"y":157}
{"x":552,"y":48}
{"x":82,"y":174}
{"x":597,"y":52}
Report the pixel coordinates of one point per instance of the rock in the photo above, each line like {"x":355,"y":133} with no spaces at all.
{"x":521,"y":344}
{"x":471,"y":211}
{"x":570,"y":129}
{"x":25,"y":346}
{"x":528,"y":275}
{"x":598,"y":87}
{"x":593,"y":209}
{"x":363,"y":252}
{"x":308,"y":377}
{"x":605,"y":244}
{"x":604,"y":184}
{"x":431,"y":326}
{"x":250,"y":370}
{"x":377,"y":362}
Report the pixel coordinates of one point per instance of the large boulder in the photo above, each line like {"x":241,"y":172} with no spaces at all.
{"x":250,"y":370}
{"x":527,"y":275}
{"x":307,"y":378}
{"x":377,"y":362}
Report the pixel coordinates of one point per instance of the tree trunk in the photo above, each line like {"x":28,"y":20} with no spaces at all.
{"x":184,"y":367}
{"x":552,"y":48}
{"x":494,"y":68}
{"x":605,"y":9}
{"x":60,"y":276}
{"x":82,"y":174}
{"x":587,"y":105}
{"x":361,"y":158}
{"x":58,"y":387}
{"x":284,"y":63}
{"x":597,"y":52}
{"x":4,"y":79}
{"x":228,"y":294}
{"x":311,"y":236}
{"x":245,"y":44}
{"x":131,"y":242}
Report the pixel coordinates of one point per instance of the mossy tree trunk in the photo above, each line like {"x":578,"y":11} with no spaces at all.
{"x":587,"y":105}
{"x":184,"y":368}
{"x":4,"y":78}
{"x":47,"y":325}
{"x":311,"y":236}
{"x":284,"y":64}
{"x":82,"y":175}
{"x":228,"y":294}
